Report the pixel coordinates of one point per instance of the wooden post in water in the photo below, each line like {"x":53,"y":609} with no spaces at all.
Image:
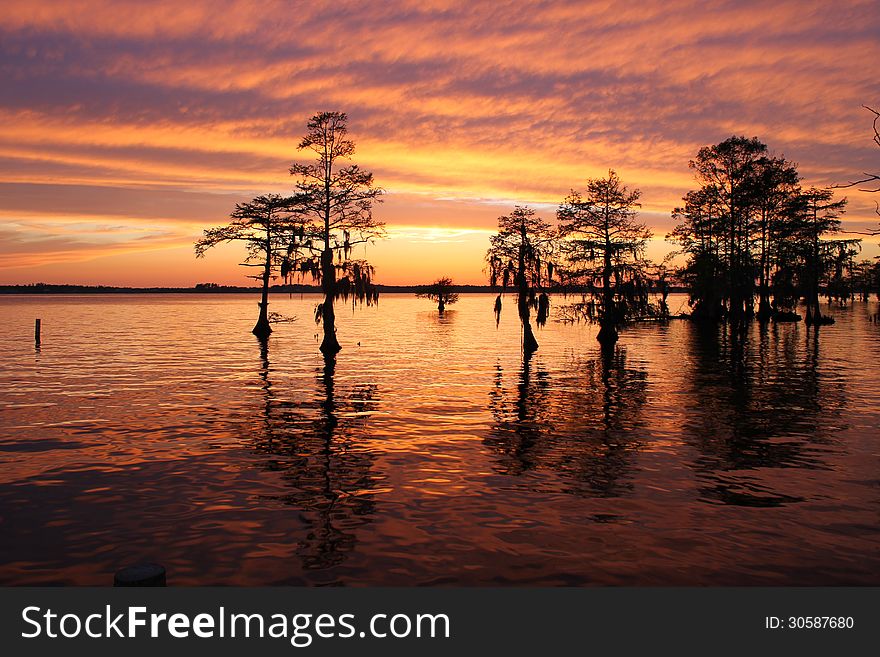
{"x":143,"y":574}
{"x":37,"y":331}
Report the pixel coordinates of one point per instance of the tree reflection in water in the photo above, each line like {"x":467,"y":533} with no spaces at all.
{"x":585,"y":427}
{"x":329,"y":476}
{"x":758,"y":401}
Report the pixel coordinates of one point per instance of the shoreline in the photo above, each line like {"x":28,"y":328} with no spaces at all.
{"x":41,"y":288}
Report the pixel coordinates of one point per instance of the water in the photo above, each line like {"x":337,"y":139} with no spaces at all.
{"x":154,"y":427}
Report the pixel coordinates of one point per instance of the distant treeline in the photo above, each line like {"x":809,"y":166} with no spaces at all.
{"x":201,"y":288}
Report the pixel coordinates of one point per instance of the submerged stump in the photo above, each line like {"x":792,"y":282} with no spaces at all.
{"x":144,"y":574}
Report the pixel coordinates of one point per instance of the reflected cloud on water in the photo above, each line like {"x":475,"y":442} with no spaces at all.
{"x":432,"y":453}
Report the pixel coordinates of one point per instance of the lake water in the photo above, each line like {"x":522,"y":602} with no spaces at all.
{"x":155,"y":428}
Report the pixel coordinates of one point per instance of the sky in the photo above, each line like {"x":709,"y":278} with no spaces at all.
{"x":127,"y":128}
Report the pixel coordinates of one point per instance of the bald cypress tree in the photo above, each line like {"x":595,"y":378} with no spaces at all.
{"x":266,"y":225}
{"x":336,"y":200}
{"x":820,"y":218}
{"x":604,"y":250}
{"x":729,"y":173}
{"x":442,"y":291}
{"x":775,"y":200}
{"x":522,"y":254}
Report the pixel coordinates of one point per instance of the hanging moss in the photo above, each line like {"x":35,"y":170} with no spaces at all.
{"x":543,"y":309}
{"x":521,"y":255}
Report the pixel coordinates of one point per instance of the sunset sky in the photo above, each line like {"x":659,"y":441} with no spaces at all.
{"x":126,"y":128}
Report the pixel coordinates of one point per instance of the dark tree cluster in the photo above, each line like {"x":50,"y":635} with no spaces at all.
{"x":866,"y":279}
{"x":752,"y":234}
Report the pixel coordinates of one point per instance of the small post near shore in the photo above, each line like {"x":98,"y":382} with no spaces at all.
{"x":144,"y":574}
{"x":37,"y":327}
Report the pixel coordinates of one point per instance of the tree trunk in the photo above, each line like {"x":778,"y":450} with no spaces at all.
{"x":330,"y":345}
{"x":608,"y":323}
{"x":736,"y":305}
{"x":262,"y":328}
{"x":441,"y":305}
{"x":530,"y":344}
{"x":814,"y":312}
{"x":764,"y":309}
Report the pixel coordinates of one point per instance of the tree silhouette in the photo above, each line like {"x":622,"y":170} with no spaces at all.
{"x":336,"y":202}
{"x":747,"y":232}
{"x":840,"y":281}
{"x":522,"y":253}
{"x":820,"y":217}
{"x":699,"y":232}
{"x":440,"y":291}
{"x":265,"y":225}
{"x":866,"y":278}
{"x":728,"y":172}
{"x":775,"y":203}
{"x":661,"y":274}
{"x":604,"y":247}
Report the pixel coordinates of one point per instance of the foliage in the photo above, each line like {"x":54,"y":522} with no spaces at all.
{"x":441,"y":291}
{"x":866,"y":278}
{"x":774,"y":215}
{"x":265,"y":225}
{"x":604,"y":249}
{"x":719,"y":214}
{"x":823,"y":258}
{"x":522,"y":254}
{"x":336,"y":203}
{"x":749,"y":231}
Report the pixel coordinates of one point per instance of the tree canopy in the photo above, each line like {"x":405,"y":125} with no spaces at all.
{"x":750,"y":231}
